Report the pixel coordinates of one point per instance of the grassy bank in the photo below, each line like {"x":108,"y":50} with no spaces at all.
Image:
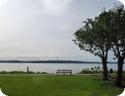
{"x":38,"y":85}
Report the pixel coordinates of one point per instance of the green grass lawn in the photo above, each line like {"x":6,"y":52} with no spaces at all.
{"x":39,"y":85}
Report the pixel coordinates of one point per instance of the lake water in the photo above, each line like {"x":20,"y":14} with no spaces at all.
{"x":50,"y":67}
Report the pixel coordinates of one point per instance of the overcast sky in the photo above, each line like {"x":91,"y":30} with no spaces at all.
{"x":44,"y":28}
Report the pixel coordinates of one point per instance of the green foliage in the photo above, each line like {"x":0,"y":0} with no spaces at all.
{"x":117,"y":30}
{"x":13,"y":72}
{"x":42,"y":73}
{"x":95,"y":70}
{"x":105,"y":32}
{"x":114,"y":76}
{"x":21,"y":72}
{"x":94,"y":36}
{"x":86,"y":71}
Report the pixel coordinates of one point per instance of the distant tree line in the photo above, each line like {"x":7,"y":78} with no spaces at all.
{"x":22,"y":72}
{"x":102,"y":34}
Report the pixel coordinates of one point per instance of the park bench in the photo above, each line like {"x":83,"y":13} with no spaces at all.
{"x":64,"y":72}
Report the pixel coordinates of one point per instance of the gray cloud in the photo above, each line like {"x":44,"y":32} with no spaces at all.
{"x":45,"y":27}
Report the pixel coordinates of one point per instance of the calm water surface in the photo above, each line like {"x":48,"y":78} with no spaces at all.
{"x":50,"y":67}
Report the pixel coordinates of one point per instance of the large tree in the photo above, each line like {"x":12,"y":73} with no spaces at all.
{"x":105,"y":32}
{"x":117,"y":26}
{"x":94,"y":37}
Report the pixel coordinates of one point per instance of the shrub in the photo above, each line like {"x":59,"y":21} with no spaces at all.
{"x":94,"y":70}
{"x":114,"y":75}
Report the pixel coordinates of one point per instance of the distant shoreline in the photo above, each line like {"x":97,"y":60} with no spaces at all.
{"x":52,"y":61}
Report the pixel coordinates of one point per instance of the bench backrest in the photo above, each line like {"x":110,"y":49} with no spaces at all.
{"x":64,"y":71}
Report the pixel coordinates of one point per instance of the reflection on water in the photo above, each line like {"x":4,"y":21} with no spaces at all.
{"x":50,"y":67}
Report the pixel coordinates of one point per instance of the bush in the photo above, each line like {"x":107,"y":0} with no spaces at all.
{"x":113,"y":76}
{"x":31,"y":72}
{"x":92,"y":71}
{"x":21,"y":72}
{"x":86,"y":71}
{"x":42,"y":73}
{"x":3,"y":72}
{"x":17,"y":72}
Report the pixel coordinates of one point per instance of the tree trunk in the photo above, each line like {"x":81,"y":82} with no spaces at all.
{"x":118,"y":81}
{"x":105,"y":69}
